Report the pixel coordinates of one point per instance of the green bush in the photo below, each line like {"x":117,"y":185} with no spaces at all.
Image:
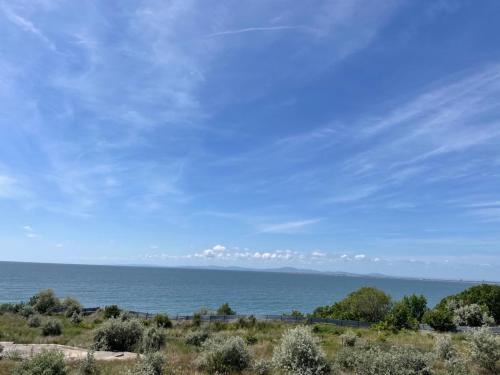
{"x":222,"y":355}
{"x":485,"y":348}
{"x":417,"y":306}
{"x":116,"y":335}
{"x":487,"y":295}
{"x":151,"y":364}
{"x":45,"y":363}
{"x":298,"y":353}
{"x":51,"y":327}
{"x":45,"y":301}
{"x":439,"y":318}
{"x":246,"y":322}
{"x":153,"y":339}
{"x":162,"y":321}
{"x":376,"y":361}
{"x":35,"y":321}
{"x":27,"y":311}
{"x":71,"y":306}
{"x":12,"y":308}
{"x":89,"y":365}
{"x":401,"y":317}
{"x":76,"y":318}
{"x":365,"y":304}
{"x":225,"y":309}
{"x":443,"y":348}
{"x":111,"y":312}
{"x":197,"y":338}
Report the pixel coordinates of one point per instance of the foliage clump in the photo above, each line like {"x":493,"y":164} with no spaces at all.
{"x":443,"y":348}
{"x":162,"y":321}
{"x":51,"y":327}
{"x":45,"y":301}
{"x":34,"y":321}
{"x":111,"y":312}
{"x":153,"y":339}
{"x":471,"y":315}
{"x":365,"y":304}
{"x":197,"y":338}
{"x":225,"y":309}
{"x":440,"y":318}
{"x":151,"y":364}
{"x":44,"y":363}
{"x":299,"y":353}
{"x":89,"y":365}
{"x":222,"y":355}
{"x":71,"y":306}
{"x":117,"y":335}
{"x":349,"y":339}
{"x":485,"y":348}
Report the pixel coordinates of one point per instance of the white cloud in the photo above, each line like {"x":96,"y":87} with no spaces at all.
{"x":288,"y":227}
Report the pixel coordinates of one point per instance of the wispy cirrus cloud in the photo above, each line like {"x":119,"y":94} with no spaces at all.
{"x":288,"y":227}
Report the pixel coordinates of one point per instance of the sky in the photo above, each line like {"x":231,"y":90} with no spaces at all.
{"x":339,"y":135}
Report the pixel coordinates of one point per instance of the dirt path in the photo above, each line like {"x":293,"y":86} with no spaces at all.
{"x":70,"y":352}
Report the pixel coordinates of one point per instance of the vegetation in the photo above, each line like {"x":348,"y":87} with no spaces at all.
{"x":248,"y":346}
{"x":111,"y":312}
{"x":45,"y":363}
{"x":45,"y":301}
{"x":51,"y":327}
{"x":365,"y":304}
{"x":299,"y":353}
{"x":225,"y":309}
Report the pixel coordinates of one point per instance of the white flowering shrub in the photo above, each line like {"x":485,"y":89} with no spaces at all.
{"x":485,"y":348}
{"x":376,"y":361}
{"x":151,"y":364}
{"x":443,"y":348}
{"x":115,"y":335}
{"x":153,"y":339}
{"x":89,"y":365}
{"x":471,"y":315}
{"x":197,"y":338}
{"x":222,"y":355}
{"x":262,"y":367}
{"x":299,"y":353}
{"x":457,"y":366}
{"x":47,"y":362}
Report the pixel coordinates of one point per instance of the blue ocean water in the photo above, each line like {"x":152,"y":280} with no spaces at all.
{"x":182,"y":291}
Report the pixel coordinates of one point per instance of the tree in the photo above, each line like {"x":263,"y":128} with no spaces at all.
{"x":225,"y":309}
{"x":366,"y":304}
{"x":45,"y":301}
{"x":417,"y":305}
{"x":439,"y":318}
{"x":401,"y":317}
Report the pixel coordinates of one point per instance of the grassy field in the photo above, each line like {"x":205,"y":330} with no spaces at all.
{"x":181,"y":358}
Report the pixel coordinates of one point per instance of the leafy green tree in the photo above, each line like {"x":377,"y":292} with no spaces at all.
{"x":366,"y":304}
{"x":401,"y":317}
{"x":111,"y":311}
{"x":439,"y":318}
{"x":225,"y":309}
{"x":417,"y":305}
{"x":45,"y":301}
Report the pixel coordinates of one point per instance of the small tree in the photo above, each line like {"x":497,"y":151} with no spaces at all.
{"x":225,"y":309}
{"x":416,"y":304}
{"x":401,"y":317}
{"x":299,"y":353}
{"x":443,"y":348}
{"x":45,"y":301}
{"x":439,"y":318}
{"x":112,"y":311}
{"x":162,"y":321}
{"x":71,"y":306}
{"x":44,"y":363}
{"x":485,"y":348}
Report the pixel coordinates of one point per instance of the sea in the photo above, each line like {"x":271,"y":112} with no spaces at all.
{"x":185,"y":290}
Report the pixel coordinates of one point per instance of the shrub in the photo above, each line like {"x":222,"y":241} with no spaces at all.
{"x":365,"y":304}
{"x":151,"y":364}
{"x":375,"y":361}
{"x":416,"y":304}
{"x":89,"y":365}
{"x":443,"y":348}
{"x":115,"y":335}
{"x":251,"y":339}
{"x":224,"y":355}
{"x":457,"y":366}
{"x":299,"y":353}
{"x":153,"y":339}
{"x":27,"y":311}
{"x":349,"y":339}
{"x":262,"y":367}
{"x":162,"y":321}
{"x":225,"y":309}
{"x":440,"y":318}
{"x":296,"y":314}
{"x":112,"y":311}
{"x":76,"y":318}
{"x":51,"y":327}
{"x":246,"y":322}
{"x":71,"y":306}
{"x":44,"y":363}
{"x":197,"y":338}
{"x":12,"y":308}
{"x":472,"y":315}
{"x":485,"y":348}
{"x":401,"y":317}
{"x":34,"y":321}
{"x":45,"y":301}
{"x":487,"y":295}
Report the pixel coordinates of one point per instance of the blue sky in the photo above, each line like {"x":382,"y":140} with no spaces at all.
{"x":336,"y":135}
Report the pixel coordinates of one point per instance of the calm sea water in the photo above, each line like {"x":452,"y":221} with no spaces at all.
{"x":182,"y":291}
